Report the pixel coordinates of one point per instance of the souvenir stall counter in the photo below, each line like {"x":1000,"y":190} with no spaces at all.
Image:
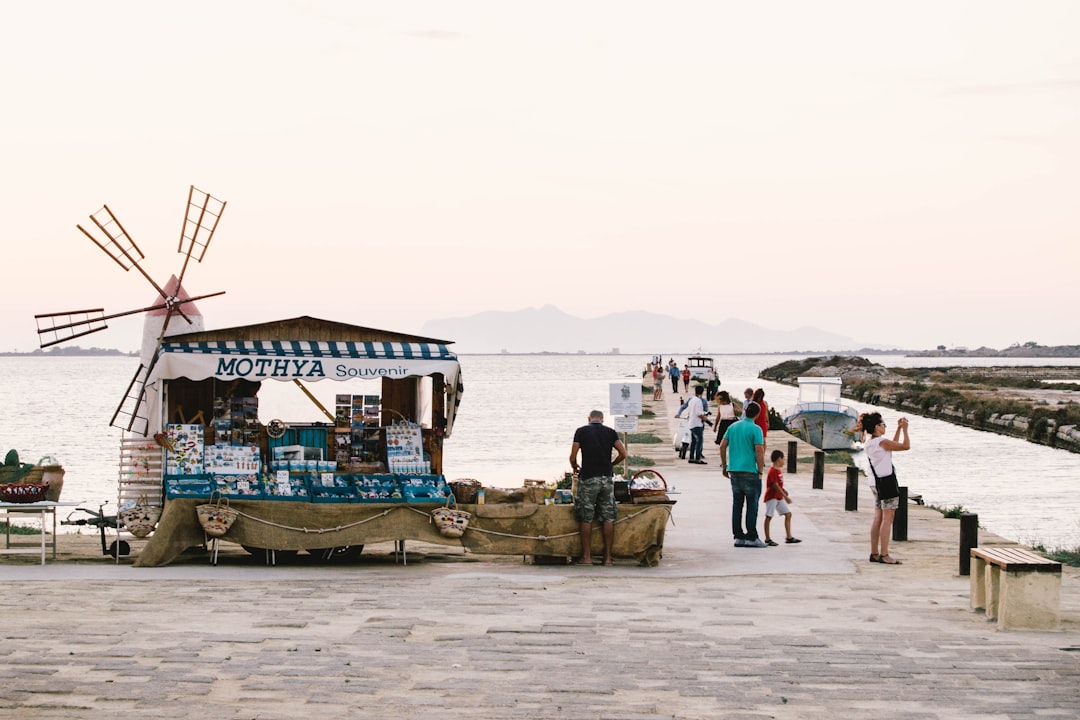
{"x":369,"y":471}
{"x":496,"y":529}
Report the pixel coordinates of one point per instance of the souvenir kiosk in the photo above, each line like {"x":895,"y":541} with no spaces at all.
{"x":368,"y":470}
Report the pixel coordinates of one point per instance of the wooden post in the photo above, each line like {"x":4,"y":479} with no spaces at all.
{"x":792,"y":456}
{"x":851,"y":493}
{"x":819,"y":470}
{"x":899,"y":526}
{"x":969,"y":538}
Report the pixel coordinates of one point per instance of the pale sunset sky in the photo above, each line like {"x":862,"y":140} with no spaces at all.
{"x":900,"y":173}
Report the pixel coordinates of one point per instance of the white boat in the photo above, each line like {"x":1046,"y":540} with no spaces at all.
{"x":701,"y":367}
{"x":820,"y":417}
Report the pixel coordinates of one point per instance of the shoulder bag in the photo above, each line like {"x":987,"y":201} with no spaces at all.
{"x":887,"y":487}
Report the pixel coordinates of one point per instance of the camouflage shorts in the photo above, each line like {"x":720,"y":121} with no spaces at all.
{"x":595,"y":499}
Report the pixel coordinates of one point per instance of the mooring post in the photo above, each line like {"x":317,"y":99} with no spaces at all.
{"x":792,"y":456}
{"x":899,"y":526}
{"x":969,"y":538}
{"x":819,"y":469}
{"x":851,"y":492}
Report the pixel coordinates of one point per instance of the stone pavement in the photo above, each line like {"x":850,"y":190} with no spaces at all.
{"x":797,"y":631}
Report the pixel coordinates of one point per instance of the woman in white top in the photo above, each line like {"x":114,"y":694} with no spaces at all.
{"x":725,"y":414}
{"x":879,"y":450}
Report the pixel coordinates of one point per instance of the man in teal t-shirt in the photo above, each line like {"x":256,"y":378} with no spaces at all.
{"x":744,"y":445}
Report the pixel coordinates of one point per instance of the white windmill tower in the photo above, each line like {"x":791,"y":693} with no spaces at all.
{"x":171,"y":302}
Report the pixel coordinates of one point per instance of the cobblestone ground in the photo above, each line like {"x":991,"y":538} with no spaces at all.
{"x":437,"y":641}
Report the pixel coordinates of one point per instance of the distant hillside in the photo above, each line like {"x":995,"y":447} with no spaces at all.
{"x":1027,"y":350}
{"x":73,"y":351}
{"x":548,"y":329}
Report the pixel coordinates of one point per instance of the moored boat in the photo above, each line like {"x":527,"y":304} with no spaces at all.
{"x":820,"y":417}
{"x":701,"y":367}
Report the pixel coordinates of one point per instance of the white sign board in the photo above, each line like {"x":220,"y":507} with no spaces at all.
{"x":626,"y":424}
{"x":626,"y":398}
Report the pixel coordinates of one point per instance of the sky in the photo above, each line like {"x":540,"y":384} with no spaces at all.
{"x":905,"y":174}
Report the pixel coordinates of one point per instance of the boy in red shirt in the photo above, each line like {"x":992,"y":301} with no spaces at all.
{"x":776,"y":499}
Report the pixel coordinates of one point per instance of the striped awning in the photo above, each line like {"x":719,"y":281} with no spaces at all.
{"x":303,"y":348}
{"x":308,"y":361}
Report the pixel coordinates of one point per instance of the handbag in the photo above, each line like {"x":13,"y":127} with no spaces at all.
{"x":216,"y":517}
{"x":451,"y":522}
{"x":887,"y":487}
{"x":140,"y":518}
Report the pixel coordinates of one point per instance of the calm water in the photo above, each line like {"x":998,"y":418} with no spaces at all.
{"x":517,"y":419}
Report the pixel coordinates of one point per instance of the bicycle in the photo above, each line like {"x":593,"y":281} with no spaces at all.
{"x":101,"y":521}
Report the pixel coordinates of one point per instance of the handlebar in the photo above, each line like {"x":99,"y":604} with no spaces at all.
{"x":97,"y":519}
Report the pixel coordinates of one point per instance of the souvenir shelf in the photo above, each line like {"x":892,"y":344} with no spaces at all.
{"x":141,"y":463}
{"x":361,"y":414}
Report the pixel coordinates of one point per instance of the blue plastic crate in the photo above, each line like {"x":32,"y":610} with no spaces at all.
{"x":199,"y":486}
{"x":333,"y":494}
{"x":239,"y":487}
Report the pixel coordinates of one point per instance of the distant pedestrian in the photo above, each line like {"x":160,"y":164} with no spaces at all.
{"x":686,"y":378}
{"x":673,"y":373}
{"x":696,"y":409}
{"x":763,"y":414}
{"x":712,"y":384}
{"x":595,"y":496}
{"x":658,"y":382}
{"x":748,"y":397}
{"x":879,"y":450}
{"x":742,"y":454}
{"x":725,"y":414}
{"x":777,"y":499}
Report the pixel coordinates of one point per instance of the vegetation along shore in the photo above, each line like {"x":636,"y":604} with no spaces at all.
{"x":1039,"y":404}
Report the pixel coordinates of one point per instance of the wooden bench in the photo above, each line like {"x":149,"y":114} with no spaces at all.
{"x":1016,"y":587}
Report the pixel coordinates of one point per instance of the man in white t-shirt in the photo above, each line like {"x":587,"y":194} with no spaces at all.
{"x":696,"y":409}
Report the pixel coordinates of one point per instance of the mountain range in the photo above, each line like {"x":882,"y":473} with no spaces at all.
{"x":548,"y":329}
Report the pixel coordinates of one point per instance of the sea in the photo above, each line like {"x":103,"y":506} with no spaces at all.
{"x":517,"y":418}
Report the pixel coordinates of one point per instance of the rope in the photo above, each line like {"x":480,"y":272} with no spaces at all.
{"x":384,"y":513}
{"x":319,"y":531}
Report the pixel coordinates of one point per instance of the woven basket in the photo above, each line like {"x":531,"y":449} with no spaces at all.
{"x":651,"y":487}
{"x":465,"y":490}
{"x":23,"y":492}
{"x":216,"y":518}
{"x":140,"y":519}
{"x":53,"y":476}
{"x":451,"y":522}
{"x":22,"y":472}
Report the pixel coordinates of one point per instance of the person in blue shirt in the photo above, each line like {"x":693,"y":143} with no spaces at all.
{"x":742,"y":454}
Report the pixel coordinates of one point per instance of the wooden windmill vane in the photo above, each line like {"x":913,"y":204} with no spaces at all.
{"x":200,"y":221}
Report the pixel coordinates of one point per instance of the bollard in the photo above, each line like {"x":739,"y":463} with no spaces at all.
{"x":792,"y":456}
{"x":899,"y":526}
{"x":819,"y":469}
{"x":851,"y":494}
{"x":969,"y":538}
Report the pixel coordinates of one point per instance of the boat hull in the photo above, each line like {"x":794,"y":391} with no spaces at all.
{"x":824,"y":429}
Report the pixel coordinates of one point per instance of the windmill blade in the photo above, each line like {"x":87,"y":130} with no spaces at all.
{"x":119,"y":245}
{"x":200,"y":221}
{"x":133,"y":396}
{"x":55,"y":328}
{"x":64,"y":326}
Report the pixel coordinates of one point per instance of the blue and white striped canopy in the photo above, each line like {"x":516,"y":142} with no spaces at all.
{"x":307,"y":361}
{"x":305,"y":348}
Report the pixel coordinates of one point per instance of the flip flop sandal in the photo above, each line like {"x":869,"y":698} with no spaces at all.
{"x":874,"y":557}
{"x":889,"y":560}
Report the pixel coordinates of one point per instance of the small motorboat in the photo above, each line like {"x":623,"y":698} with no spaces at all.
{"x":820,"y":417}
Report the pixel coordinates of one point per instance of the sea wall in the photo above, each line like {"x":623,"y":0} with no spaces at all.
{"x":1047,"y":432}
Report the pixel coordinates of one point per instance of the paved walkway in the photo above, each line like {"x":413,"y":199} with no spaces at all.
{"x":797,"y":631}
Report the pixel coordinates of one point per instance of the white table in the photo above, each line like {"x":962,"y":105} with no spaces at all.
{"x":42,"y":509}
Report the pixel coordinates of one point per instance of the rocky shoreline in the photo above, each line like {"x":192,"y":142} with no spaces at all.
{"x":1013,"y":401}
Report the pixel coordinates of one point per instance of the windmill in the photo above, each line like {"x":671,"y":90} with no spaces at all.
{"x":200,"y":221}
